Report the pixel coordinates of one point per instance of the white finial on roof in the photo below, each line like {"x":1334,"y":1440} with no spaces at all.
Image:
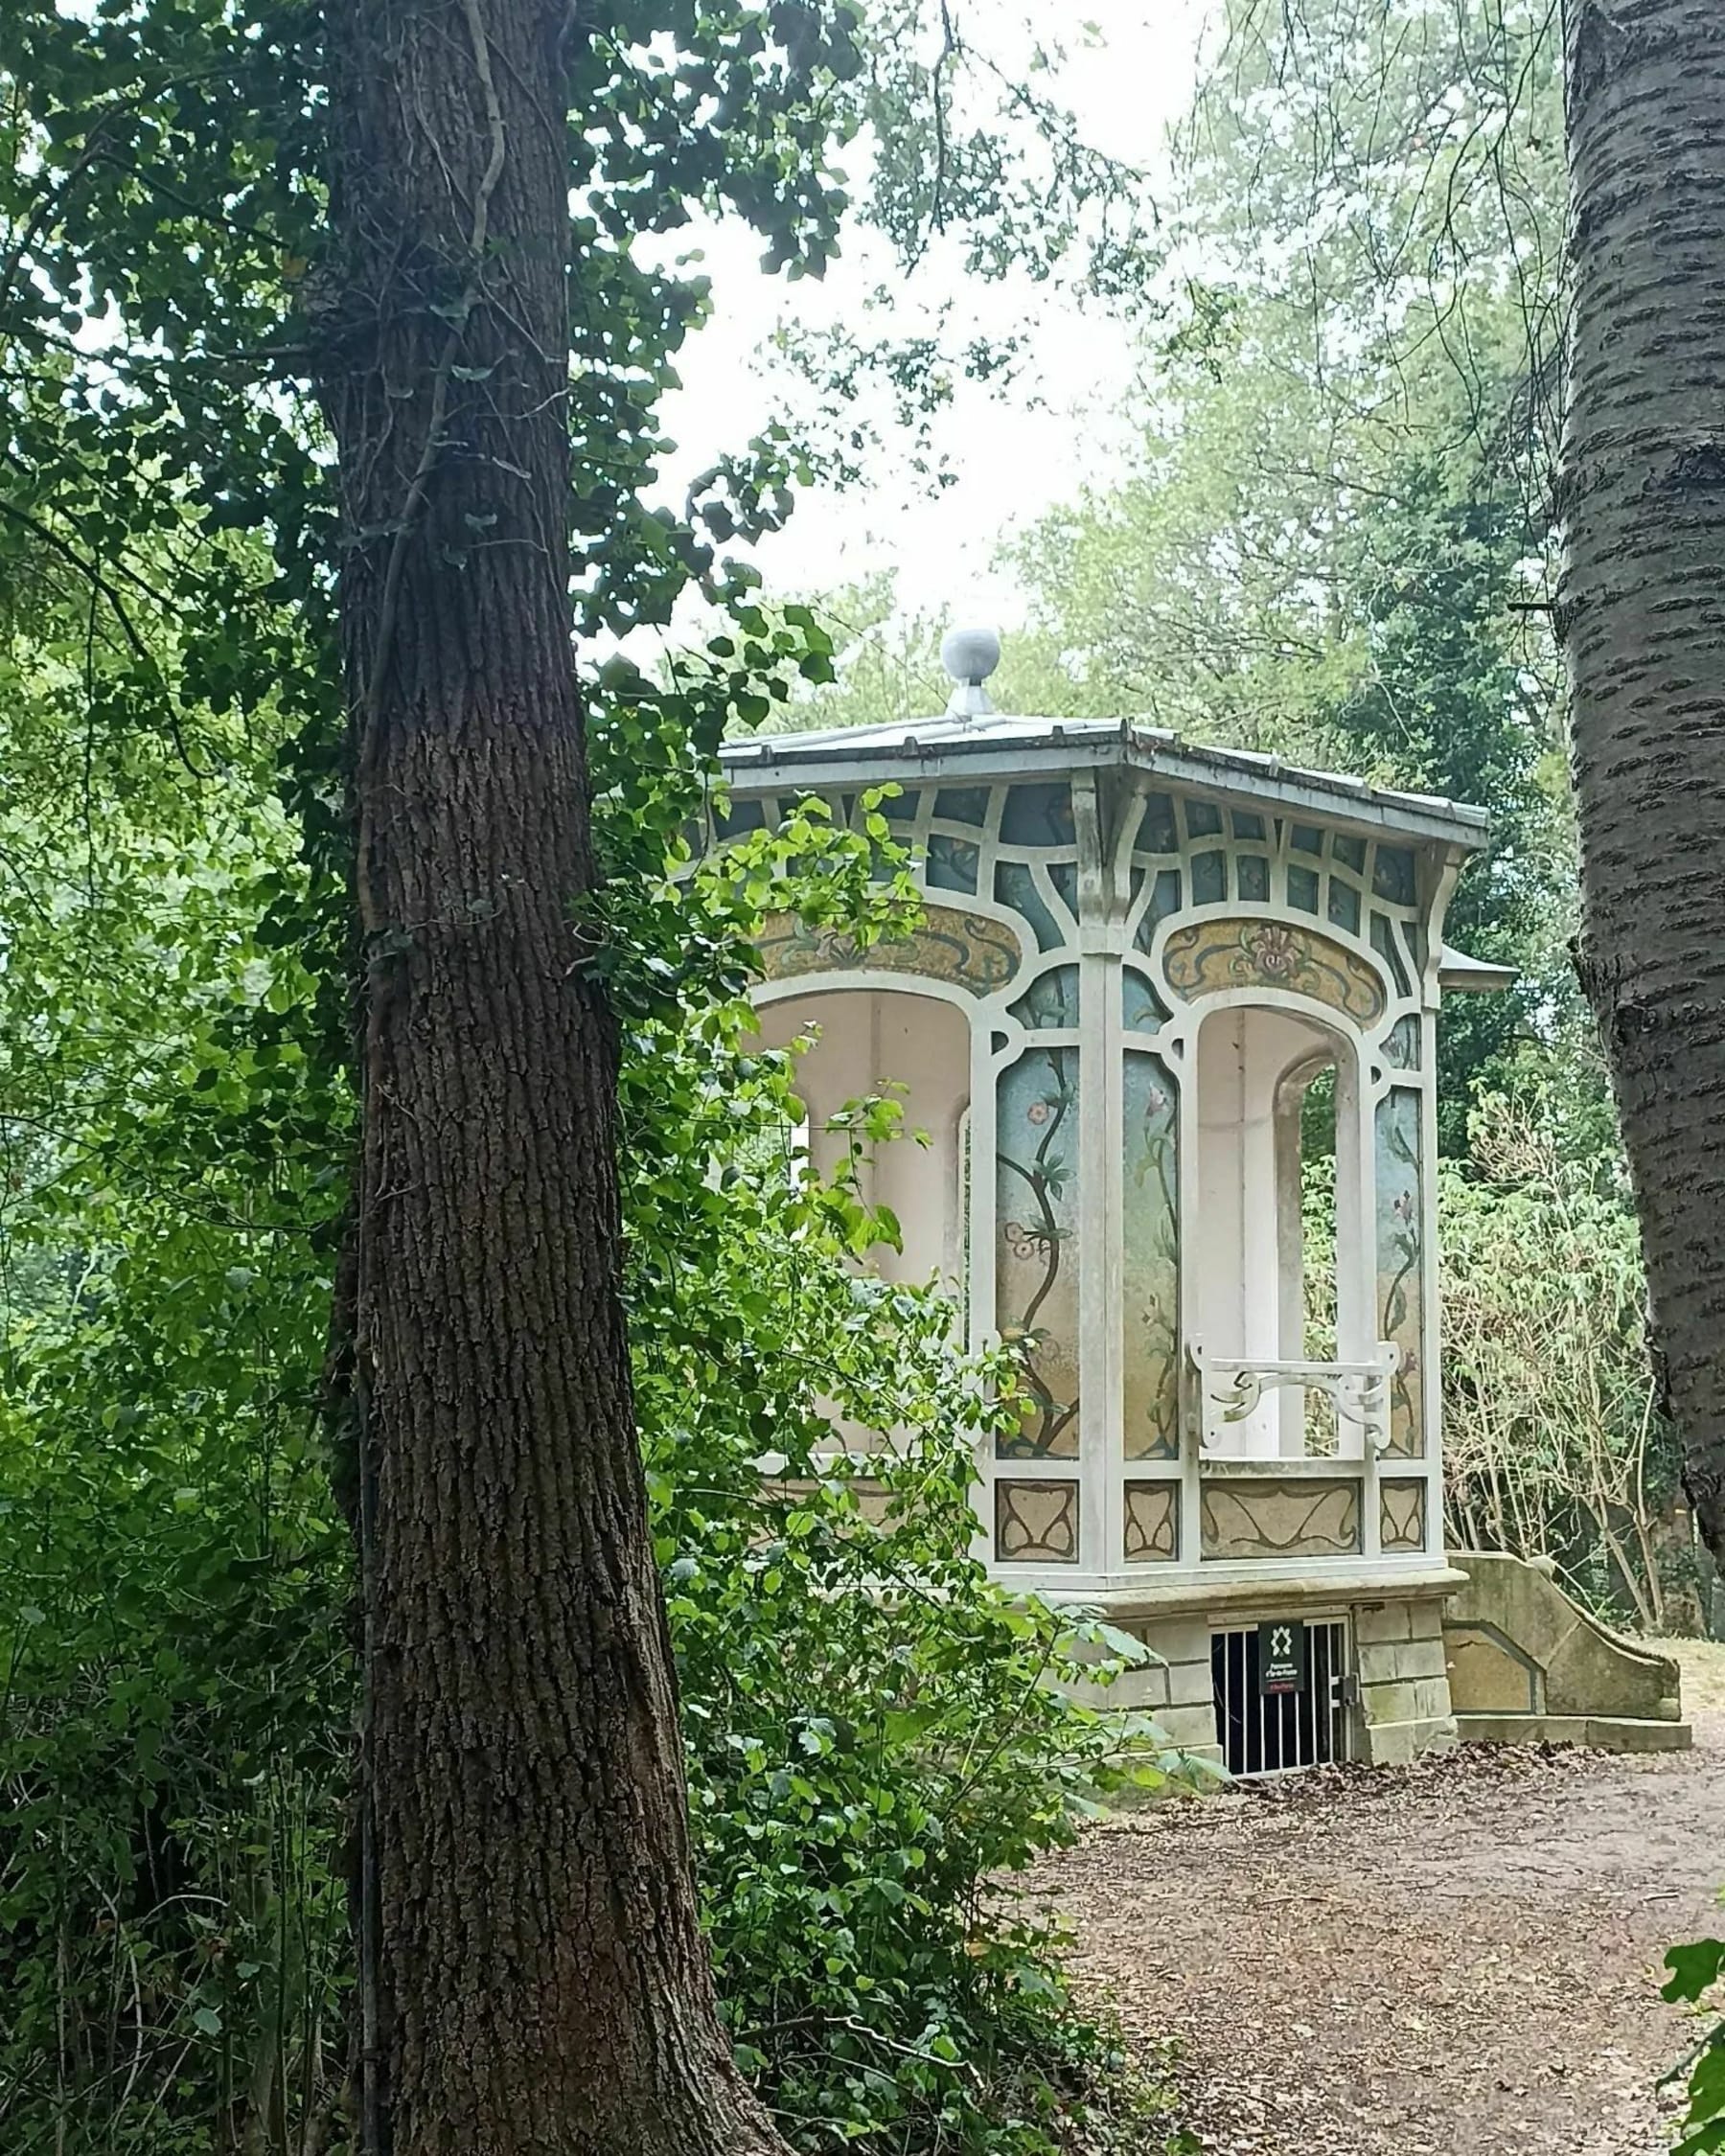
{"x":970,"y":655}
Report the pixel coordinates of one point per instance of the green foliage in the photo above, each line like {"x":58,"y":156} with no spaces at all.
{"x":1695,"y":1969}
{"x":176,"y":1123}
{"x":172,"y":1571}
{"x":1445,"y":705}
{"x":174,"y":1745}
{"x":874,"y":1738}
{"x":1553,"y":1444}
{"x":873,"y":1745}
{"x":1333,"y":540}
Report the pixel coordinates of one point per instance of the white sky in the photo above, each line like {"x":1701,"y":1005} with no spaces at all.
{"x":1012,"y":460}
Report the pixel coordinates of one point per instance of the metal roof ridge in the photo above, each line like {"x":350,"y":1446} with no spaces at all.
{"x":937,"y":735}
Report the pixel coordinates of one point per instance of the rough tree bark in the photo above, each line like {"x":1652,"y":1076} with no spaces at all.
{"x":1642,"y":614}
{"x":540,"y":1984}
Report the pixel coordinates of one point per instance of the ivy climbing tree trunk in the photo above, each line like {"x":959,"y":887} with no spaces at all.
{"x":537,"y":1981}
{"x":1642,"y":613}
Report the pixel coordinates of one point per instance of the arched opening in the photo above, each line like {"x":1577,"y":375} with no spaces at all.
{"x":875,"y":1040}
{"x":1277,"y":1228}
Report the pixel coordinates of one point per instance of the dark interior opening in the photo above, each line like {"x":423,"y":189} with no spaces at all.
{"x":1261,"y":1735}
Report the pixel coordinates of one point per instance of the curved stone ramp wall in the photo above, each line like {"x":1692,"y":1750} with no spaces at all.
{"x":1528,"y":1665}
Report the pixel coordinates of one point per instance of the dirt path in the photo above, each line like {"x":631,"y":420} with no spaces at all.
{"x":1458,"y":1960}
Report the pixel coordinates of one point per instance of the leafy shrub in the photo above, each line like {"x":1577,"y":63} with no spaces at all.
{"x":873,"y":1742}
{"x":876,"y":1736}
{"x":1695,"y":1972}
{"x":1552,"y":1442}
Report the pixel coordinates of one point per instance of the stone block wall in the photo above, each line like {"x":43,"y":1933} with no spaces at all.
{"x":1529,"y":1666}
{"x":1519,"y":1645}
{"x":1402,"y":1663}
{"x":1176,"y":1689}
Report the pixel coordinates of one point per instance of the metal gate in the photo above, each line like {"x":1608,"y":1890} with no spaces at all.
{"x":1272,"y":1735}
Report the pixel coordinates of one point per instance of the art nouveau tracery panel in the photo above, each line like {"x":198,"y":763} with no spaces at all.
{"x":1188,"y":853}
{"x":1001,"y":925}
{"x":1240,"y":903}
{"x":1249,"y":1522}
{"x":1152,"y":1523}
{"x":1036,"y":1523}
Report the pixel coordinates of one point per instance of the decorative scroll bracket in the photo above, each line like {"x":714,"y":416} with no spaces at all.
{"x":1233,"y":1387}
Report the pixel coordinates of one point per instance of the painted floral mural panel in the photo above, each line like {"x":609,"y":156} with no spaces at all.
{"x":1393,"y":875}
{"x":1036,"y":1523}
{"x":1050,"y":1003}
{"x":1210,"y":956}
{"x":1157,"y":834}
{"x":1036,"y":1254}
{"x":1209,"y":878}
{"x":1015,"y":886}
{"x":953,"y":863}
{"x":1384,"y":942}
{"x":1141,"y":1009}
{"x":962,"y":804}
{"x":1400,"y":1269}
{"x":1401,"y":1050}
{"x":1164,"y":900}
{"x":1351,"y":852}
{"x":1150,"y":1271}
{"x":968,"y":949}
{"x":1038,"y":816}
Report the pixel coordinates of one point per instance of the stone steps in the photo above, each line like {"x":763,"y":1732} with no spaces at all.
{"x":1597,"y":1732}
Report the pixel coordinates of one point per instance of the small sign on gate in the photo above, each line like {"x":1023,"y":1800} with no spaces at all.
{"x":1281,"y":1657}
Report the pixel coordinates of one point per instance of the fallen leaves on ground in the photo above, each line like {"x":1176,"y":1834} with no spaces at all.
{"x":1455,"y":1957}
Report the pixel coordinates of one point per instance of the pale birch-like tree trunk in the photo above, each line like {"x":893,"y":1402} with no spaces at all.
{"x":1641,"y":616}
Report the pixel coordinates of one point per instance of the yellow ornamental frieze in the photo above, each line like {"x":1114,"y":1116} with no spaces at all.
{"x":1209,"y":957}
{"x":966,"y":949}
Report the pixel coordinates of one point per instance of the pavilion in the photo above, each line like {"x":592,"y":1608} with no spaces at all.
{"x":1157,"y":991}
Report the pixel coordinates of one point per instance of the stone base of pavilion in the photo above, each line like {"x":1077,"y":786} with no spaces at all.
{"x":1389,"y":1690}
{"x":1401,"y":1664}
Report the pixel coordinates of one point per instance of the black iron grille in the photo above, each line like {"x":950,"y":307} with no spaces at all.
{"x":1270,"y":1736}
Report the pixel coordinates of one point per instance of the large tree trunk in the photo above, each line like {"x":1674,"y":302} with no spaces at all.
{"x":537,"y":1981}
{"x":1642,"y":613}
